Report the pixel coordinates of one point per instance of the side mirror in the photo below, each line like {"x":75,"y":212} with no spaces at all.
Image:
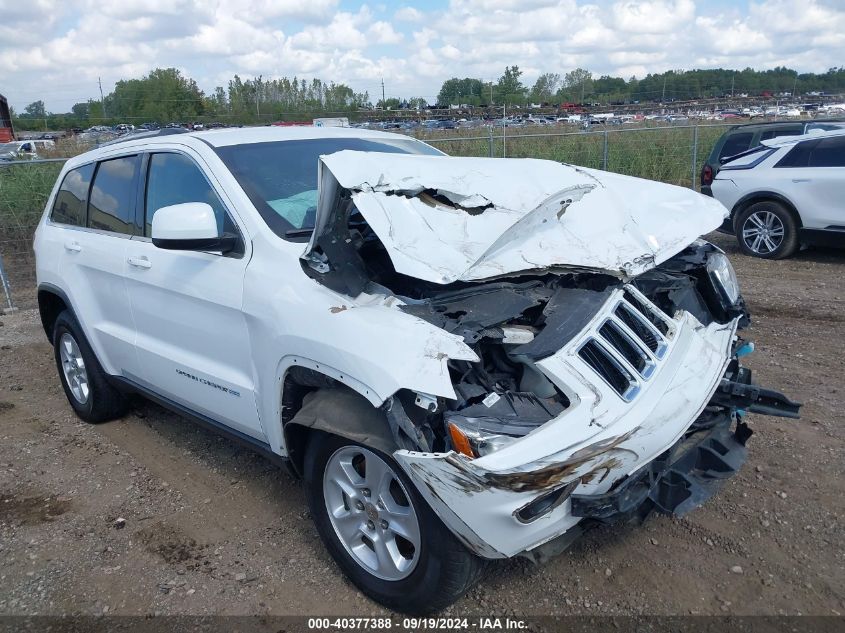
{"x":190,"y":226}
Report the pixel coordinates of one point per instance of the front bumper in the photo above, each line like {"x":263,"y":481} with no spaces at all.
{"x":679,"y":480}
{"x":590,"y":449}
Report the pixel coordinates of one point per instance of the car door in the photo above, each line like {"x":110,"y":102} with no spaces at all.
{"x":95,"y":206}
{"x":192,"y":338}
{"x":812,"y":176}
{"x":826,"y":174}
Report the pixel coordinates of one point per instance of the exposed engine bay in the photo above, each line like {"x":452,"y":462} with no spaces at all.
{"x":511,"y":323}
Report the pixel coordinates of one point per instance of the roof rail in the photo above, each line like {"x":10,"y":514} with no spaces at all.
{"x":166,"y":131}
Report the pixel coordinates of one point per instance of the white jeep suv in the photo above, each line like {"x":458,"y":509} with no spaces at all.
{"x":465,"y":358}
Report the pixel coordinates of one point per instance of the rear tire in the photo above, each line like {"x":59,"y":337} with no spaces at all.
{"x":93,"y":399}
{"x":432,"y":572}
{"x":768,"y":230}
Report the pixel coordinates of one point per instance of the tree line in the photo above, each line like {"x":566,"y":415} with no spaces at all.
{"x":580,"y":86}
{"x":165,"y":95}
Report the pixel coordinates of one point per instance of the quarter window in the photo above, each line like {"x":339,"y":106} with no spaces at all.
{"x":111,"y":206}
{"x":69,"y":206}
{"x":176,"y":179}
{"x":735,"y":144}
{"x":798,"y":156}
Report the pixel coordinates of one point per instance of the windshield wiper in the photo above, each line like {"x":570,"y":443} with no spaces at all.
{"x":299,"y":232}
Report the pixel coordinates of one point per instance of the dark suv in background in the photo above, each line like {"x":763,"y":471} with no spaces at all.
{"x":740,"y":138}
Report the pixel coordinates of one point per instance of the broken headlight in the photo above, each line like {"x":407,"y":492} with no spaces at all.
{"x":723,"y":277}
{"x":472,"y":440}
{"x":492,"y":423}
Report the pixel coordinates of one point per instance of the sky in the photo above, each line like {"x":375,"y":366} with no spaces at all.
{"x":58,"y":50}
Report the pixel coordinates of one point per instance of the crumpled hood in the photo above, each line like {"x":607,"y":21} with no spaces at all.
{"x":444,"y":219}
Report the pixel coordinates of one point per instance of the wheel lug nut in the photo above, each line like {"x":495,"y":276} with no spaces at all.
{"x":383,"y":524}
{"x":371,"y":525}
{"x":359,"y":505}
{"x":366,"y":492}
{"x":380,"y":504}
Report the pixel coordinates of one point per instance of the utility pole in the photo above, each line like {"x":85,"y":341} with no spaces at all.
{"x":102,"y":101}
{"x":663,"y":98}
{"x":732,"y":85}
{"x":383,"y":100}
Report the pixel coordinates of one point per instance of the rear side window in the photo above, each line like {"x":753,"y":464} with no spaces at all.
{"x":176,"y":179}
{"x":736,"y":143}
{"x":111,"y":206}
{"x":828,"y":152}
{"x":69,"y":206}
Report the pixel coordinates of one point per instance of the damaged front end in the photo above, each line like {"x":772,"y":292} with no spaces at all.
{"x":607,"y":384}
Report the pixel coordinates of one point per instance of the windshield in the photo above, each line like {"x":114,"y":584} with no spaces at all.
{"x":5,"y":148}
{"x":280,"y":178}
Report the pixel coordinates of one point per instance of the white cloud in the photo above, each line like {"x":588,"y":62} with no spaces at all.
{"x":408,"y":14}
{"x":414,"y":48}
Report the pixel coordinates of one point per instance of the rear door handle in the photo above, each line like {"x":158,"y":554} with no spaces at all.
{"x":73,"y":247}
{"x":140,"y":262}
{"x":802,"y":180}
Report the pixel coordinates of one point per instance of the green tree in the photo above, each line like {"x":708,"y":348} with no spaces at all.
{"x":81,"y":110}
{"x":545,"y":88}
{"x":509,"y":88}
{"x":391,"y":103}
{"x":35,"y":110}
{"x":578,"y":84}
{"x":455,"y":91}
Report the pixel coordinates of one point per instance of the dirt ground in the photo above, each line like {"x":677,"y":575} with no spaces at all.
{"x":211,"y":528}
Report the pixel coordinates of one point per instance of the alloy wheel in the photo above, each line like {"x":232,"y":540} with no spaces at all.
{"x":73,"y":367}
{"x":763,"y":232}
{"x":371,"y":513}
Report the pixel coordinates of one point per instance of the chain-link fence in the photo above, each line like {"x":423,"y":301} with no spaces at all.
{"x":24,"y":189}
{"x":668,"y":154}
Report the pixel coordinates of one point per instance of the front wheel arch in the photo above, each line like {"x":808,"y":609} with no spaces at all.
{"x":764,"y":196}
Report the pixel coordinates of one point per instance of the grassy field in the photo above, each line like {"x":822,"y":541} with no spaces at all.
{"x":658,"y":153}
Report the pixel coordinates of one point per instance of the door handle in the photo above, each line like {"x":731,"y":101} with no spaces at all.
{"x":140,"y":262}
{"x":73,"y":247}
{"x":802,"y":180}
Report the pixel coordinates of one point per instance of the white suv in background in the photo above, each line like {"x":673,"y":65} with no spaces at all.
{"x":464,"y":358}
{"x":786,"y":192}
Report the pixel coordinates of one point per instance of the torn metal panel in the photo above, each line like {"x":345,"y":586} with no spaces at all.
{"x":444,"y":219}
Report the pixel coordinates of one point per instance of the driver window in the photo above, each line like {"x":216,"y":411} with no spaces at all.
{"x":175,"y":179}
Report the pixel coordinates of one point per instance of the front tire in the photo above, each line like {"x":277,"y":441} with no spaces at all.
{"x":93,"y":399}
{"x":380,"y":531}
{"x":767,"y":230}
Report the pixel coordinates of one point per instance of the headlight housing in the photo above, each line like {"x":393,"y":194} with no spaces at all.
{"x":723,"y":278}
{"x":474,"y":441}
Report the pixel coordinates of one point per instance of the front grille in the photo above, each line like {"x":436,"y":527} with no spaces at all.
{"x":627,"y":347}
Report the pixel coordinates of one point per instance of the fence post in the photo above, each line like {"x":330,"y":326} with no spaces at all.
{"x":694,"y":155}
{"x":490,"y":140}
{"x":604,"y":153}
{"x":7,"y":290}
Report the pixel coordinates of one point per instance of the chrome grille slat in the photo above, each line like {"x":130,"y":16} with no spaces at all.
{"x":626,"y":348}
